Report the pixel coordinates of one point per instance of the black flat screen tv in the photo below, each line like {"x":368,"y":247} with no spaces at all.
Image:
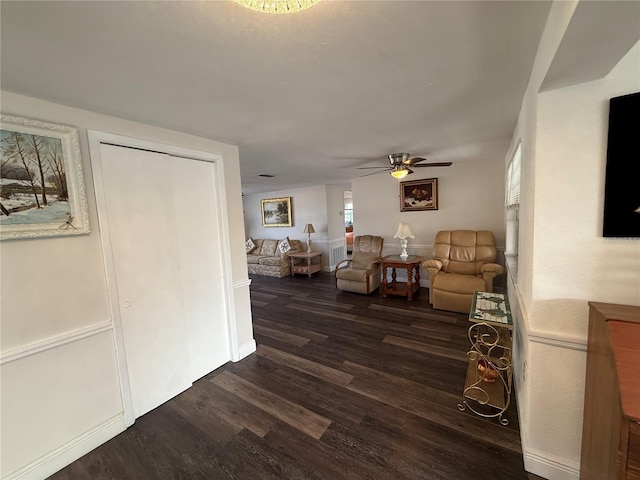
{"x":622,"y":184}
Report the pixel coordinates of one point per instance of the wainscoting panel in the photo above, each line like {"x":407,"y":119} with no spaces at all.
{"x":532,"y":349}
{"x":53,"y":400}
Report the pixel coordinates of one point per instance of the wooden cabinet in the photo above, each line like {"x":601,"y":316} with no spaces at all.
{"x":611,"y":428}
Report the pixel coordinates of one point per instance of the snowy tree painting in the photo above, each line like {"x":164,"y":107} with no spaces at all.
{"x":36,"y":189}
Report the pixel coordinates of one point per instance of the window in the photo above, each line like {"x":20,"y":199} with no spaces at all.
{"x":348,"y":217}
{"x":348,"y":209}
{"x":513,"y":178}
{"x":513,"y":201}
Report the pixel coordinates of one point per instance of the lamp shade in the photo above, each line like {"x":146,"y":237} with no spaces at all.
{"x":403,"y":231}
{"x":308,"y":228}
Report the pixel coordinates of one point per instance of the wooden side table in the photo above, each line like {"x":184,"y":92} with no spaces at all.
{"x":411,"y":265}
{"x":310,"y":267}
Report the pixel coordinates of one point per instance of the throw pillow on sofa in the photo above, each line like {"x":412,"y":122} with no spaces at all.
{"x":249,"y":245}
{"x":269,"y":247}
{"x":284,"y":246}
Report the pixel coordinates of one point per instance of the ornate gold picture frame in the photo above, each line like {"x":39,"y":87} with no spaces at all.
{"x":276,"y":212}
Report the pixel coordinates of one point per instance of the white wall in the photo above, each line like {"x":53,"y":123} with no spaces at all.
{"x":319,"y":205}
{"x":60,"y":390}
{"x":564,"y":261}
{"x":308,"y":205}
{"x":335,"y":210}
{"x":571,"y":151}
{"x":470,"y":196}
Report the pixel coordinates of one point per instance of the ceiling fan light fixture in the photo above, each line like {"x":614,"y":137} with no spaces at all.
{"x":400,"y":172}
{"x":277,"y":6}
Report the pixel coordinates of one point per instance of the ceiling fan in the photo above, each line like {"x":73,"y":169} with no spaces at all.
{"x":400,"y":163}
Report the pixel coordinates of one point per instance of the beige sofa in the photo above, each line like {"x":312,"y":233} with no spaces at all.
{"x":266,"y":259}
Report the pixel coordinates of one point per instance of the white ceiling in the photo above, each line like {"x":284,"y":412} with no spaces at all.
{"x":307,"y":97}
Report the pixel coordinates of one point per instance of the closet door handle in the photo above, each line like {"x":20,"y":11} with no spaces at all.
{"x":126,"y":304}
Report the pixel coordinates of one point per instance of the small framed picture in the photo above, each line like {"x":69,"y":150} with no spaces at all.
{"x":276,"y":212}
{"x":418,"y":195}
{"x":41,"y":183}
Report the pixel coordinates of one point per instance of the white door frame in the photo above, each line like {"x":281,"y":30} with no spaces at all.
{"x":95,"y":139}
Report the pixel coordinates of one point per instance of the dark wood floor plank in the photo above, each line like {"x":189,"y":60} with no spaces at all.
{"x":342,"y":386}
{"x":417,"y":313}
{"x":196,"y":405}
{"x":258,"y":303}
{"x":312,"y":368}
{"x":328,"y":400}
{"x":399,"y":386}
{"x":280,"y":335}
{"x":429,"y":349}
{"x":279,"y":291}
{"x":266,"y":461}
{"x":309,"y":422}
{"x":383,"y":324}
{"x":330,"y":462}
{"x":320,"y":311}
{"x":320,"y":301}
{"x":263,"y":296}
{"x":434,"y":371}
{"x":433,"y":443}
{"x":436,"y":412}
{"x":370,"y":451}
{"x":231,"y":410}
{"x":318,"y":337}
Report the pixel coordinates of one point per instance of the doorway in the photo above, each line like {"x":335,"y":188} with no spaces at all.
{"x":348,"y":219}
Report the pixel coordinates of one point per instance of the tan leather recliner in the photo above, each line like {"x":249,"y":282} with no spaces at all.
{"x":361,"y":274}
{"x":463,"y":262}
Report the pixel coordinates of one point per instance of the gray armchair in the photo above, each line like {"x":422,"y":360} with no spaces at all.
{"x":361,"y":274}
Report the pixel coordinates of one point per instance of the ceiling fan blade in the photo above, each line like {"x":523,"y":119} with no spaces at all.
{"x":414,"y":160}
{"x":366,"y":168}
{"x":373,"y":173}
{"x":439,"y":164}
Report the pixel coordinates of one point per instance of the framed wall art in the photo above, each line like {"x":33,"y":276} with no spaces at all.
{"x":276,"y":212}
{"x":418,"y":195}
{"x":41,"y":183}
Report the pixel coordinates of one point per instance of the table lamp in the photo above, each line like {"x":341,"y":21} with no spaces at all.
{"x":403,"y":233}
{"x":308,"y":229}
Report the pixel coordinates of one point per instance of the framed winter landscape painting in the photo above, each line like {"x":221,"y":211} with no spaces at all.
{"x":41,"y":183}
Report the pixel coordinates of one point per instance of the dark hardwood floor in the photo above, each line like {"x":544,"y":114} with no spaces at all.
{"x":342,"y":386}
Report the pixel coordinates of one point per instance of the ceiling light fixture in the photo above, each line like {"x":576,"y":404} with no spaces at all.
{"x":277,"y":6}
{"x":400,"y":171}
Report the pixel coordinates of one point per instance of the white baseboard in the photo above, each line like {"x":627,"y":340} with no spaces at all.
{"x":246,"y":350}
{"x":545,"y":467}
{"x":59,"y":458}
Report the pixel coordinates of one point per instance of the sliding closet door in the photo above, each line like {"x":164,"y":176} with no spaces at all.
{"x":138,"y":191}
{"x":200,"y":254}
